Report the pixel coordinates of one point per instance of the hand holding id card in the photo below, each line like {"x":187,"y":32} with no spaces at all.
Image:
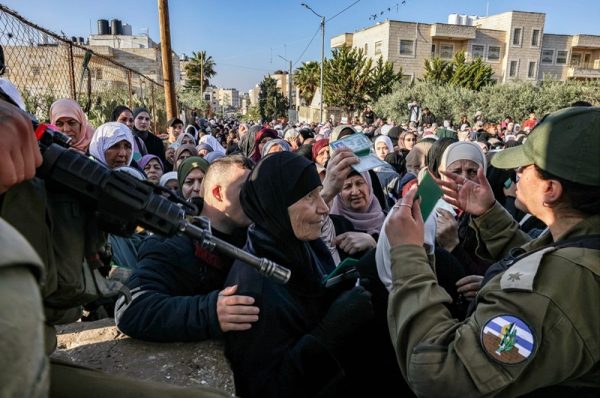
{"x":361,"y":146}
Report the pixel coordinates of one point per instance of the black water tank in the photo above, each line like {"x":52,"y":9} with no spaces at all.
{"x":103,"y":28}
{"x":81,"y":41}
{"x":116,"y":28}
{"x":74,"y":39}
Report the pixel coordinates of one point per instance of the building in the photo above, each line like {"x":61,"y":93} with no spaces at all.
{"x":253,"y":95}
{"x":513,"y":43}
{"x":229,"y":98}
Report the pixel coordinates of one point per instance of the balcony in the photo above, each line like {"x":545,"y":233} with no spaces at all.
{"x":452,"y":32}
{"x":586,"y":41}
{"x":583,"y":73}
{"x":341,"y":40}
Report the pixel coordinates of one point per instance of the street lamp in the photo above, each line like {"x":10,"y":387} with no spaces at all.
{"x":290,"y":108}
{"x":322,"y":51}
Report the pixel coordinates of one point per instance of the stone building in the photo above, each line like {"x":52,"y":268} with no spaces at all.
{"x":513,"y":43}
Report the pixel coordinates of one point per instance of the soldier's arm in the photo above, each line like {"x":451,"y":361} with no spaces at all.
{"x":440,"y":356}
{"x":497,"y":232}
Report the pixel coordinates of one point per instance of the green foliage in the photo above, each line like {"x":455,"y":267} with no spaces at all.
{"x":271,"y":102}
{"x":307,"y":78}
{"x":190,"y":99}
{"x":516,"y":99}
{"x":39,"y":104}
{"x":382,"y":79}
{"x":473,"y":75}
{"x":194,"y":70}
{"x":252,"y":115}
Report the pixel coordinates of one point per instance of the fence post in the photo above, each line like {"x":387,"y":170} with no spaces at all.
{"x":72,"y":73}
{"x":154,"y":110}
{"x":129,"y":89}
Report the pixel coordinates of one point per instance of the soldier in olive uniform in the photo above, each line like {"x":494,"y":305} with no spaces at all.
{"x":536,"y":326}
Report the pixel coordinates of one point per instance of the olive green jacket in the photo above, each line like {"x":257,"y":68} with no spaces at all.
{"x":440,"y":356}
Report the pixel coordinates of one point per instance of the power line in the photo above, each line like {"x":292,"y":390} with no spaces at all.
{"x":343,"y":10}
{"x":309,"y":43}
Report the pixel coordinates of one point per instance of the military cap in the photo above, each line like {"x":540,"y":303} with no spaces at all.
{"x":565,"y":143}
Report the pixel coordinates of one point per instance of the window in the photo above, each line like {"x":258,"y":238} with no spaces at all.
{"x":35,"y":70}
{"x":575,"y":59}
{"x":513,"y":69}
{"x":446,"y":51}
{"x":531,"y":70}
{"x":378,"y":45}
{"x":407,"y":78}
{"x":433,"y":50}
{"x":366,"y":48}
{"x":407,"y":47}
{"x":477,"y":50}
{"x":547,"y":56}
{"x":517,"y":32}
{"x":493,"y":53}
{"x":561,"y":57}
{"x":98,"y":74}
{"x":535,"y":38}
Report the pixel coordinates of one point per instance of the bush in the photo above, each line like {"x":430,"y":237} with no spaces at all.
{"x":514,"y":99}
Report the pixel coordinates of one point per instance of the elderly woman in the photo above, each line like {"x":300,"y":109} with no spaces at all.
{"x":262,"y":137}
{"x":276,"y":145}
{"x":204,"y":149}
{"x":190,"y":175}
{"x":68,"y":116}
{"x":169,"y":181}
{"x":152,"y":167}
{"x":186,"y":139}
{"x":357,"y":203}
{"x":182,"y":153}
{"x":535,"y":317}
{"x":302,"y":344}
{"x":112,"y":145}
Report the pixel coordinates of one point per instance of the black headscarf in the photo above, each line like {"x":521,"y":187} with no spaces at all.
{"x":434,"y":155}
{"x":247,"y":141}
{"x":278,"y":181}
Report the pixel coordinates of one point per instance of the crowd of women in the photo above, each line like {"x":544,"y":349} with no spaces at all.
{"x":310,"y":211}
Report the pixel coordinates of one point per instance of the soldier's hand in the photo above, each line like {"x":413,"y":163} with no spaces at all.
{"x":235,"y":312}
{"x":19,"y":152}
{"x":405,"y":226}
{"x":474,"y":197}
{"x":338,"y":169}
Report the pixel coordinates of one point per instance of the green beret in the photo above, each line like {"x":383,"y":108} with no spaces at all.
{"x":191,"y":163}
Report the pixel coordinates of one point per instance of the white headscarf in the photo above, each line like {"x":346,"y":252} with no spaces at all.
{"x":213,"y":142}
{"x":171,"y":175}
{"x":463,"y":150}
{"x":108,"y":135}
{"x":387,"y":140}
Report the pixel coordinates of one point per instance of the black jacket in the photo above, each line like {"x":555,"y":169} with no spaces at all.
{"x":175,"y":288}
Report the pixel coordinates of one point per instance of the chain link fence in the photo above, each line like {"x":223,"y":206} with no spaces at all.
{"x":46,"y":66}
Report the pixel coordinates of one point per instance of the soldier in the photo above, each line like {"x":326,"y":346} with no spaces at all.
{"x":536,"y":326}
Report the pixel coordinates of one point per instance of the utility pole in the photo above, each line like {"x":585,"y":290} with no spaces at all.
{"x":167,"y":58}
{"x":290,"y":106}
{"x":322,"y":52}
{"x":202,"y":74}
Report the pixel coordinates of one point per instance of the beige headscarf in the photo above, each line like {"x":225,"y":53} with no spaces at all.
{"x":68,"y":108}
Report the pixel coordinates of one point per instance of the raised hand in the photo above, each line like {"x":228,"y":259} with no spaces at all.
{"x":405,"y":225}
{"x":474,"y":197}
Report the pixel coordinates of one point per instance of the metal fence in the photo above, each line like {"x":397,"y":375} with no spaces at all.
{"x":46,"y":66}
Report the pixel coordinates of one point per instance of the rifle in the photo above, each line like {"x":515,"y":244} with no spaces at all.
{"x":124,"y":202}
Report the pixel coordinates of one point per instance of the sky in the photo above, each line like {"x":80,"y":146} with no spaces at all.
{"x":246,"y":38}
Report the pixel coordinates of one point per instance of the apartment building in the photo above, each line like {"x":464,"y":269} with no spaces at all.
{"x":513,"y":43}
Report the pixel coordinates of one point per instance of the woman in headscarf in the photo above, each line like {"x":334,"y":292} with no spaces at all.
{"x":141,"y":129}
{"x":184,"y":152}
{"x":190,"y":175}
{"x":204,"y":149}
{"x":320,"y":155}
{"x":262,"y":137}
{"x":152,"y":167}
{"x":302,"y":344}
{"x":276,"y":145}
{"x":213,"y":142}
{"x":357,"y":203}
{"x":247,"y":141}
{"x":186,"y":139}
{"x":68,"y":116}
{"x":112,"y":145}
{"x":383,"y":146}
{"x":169,"y":180}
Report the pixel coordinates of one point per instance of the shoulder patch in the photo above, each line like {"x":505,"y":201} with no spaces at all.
{"x":508,"y":339}
{"x":521,"y":274}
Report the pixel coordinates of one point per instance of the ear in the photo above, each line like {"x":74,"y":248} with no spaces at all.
{"x":553,"y":192}
{"x":216,"y":193}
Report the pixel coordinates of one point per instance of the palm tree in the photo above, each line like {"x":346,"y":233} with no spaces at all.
{"x":307,"y":78}
{"x":200,"y":67}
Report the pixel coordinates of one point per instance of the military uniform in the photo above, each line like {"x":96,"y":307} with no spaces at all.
{"x":555,"y":330}
{"x":24,"y":363}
